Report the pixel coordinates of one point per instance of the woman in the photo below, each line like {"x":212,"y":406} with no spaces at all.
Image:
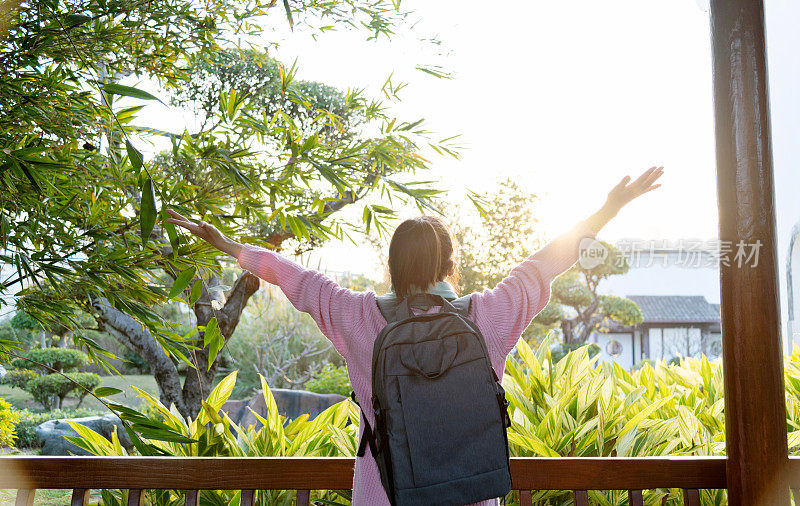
{"x":421,"y":254}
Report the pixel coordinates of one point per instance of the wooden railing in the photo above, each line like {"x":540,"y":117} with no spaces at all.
{"x":303,"y":474}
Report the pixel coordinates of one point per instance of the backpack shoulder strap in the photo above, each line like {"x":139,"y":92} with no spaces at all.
{"x":388,"y":304}
{"x":462,"y":305}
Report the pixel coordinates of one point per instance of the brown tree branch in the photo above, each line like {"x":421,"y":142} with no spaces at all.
{"x":132,"y":334}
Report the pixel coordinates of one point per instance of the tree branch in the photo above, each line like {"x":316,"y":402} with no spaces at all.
{"x":133,"y":335}
{"x":246,"y":285}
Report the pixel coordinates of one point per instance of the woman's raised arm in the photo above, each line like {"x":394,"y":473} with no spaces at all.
{"x":335,"y":309}
{"x":510,"y":306}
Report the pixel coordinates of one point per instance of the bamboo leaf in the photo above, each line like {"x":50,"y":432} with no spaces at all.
{"x":72,"y":20}
{"x":181,"y":282}
{"x":213,"y":339}
{"x":174,"y":240}
{"x":288,"y":9}
{"x":197,"y":291}
{"x":134,"y":156}
{"x":106,"y":391}
{"x":147,"y":210}
{"x":128,"y":91}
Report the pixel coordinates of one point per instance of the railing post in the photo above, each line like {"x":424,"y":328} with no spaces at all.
{"x":192,"y":498}
{"x":25,"y":497}
{"x":755,"y":409}
{"x":246,"y":499}
{"x":80,"y":497}
{"x":135,"y":497}
{"x":691,"y":497}
{"x":303,"y":497}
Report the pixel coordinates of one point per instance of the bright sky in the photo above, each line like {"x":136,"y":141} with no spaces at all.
{"x":566,"y":97}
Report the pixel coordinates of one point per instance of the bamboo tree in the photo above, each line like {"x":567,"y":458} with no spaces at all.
{"x":81,"y":209}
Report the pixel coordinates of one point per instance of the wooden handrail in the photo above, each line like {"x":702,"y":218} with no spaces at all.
{"x":304,"y":474}
{"x":336,"y":473}
{"x":605,"y":473}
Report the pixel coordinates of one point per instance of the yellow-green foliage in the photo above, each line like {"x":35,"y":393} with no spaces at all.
{"x":575,"y":407}
{"x":333,"y":433}
{"x":579,"y":408}
{"x":791,"y":375}
{"x":8,"y":419}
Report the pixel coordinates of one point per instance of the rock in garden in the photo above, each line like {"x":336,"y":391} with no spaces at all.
{"x":291,"y":404}
{"x":51,"y":434}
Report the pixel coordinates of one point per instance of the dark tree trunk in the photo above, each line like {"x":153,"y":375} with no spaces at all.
{"x":579,"y":328}
{"x":198,"y":383}
{"x":567,"y":328}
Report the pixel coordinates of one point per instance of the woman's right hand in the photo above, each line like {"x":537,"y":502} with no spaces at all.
{"x":622,"y":194}
{"x":625,"y":191}
{"x":206,"y":232}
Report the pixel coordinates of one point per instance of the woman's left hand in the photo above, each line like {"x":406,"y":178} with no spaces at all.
{"x":206,"y":232}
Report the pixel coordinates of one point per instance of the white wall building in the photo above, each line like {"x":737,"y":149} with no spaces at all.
{"x":677,"y":288}
{"x":673,"y":326}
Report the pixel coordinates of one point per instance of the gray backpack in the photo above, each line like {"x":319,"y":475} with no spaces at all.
{"x":440,"y":411}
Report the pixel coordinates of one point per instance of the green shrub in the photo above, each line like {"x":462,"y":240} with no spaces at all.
{"x":579,"y":407}
{"x":10,"y":331}
{"x":61,"y":359}
{"x":330,"y":380}
{"x":8,"y":419}
{"x":50,"y":389}
{"x":26,"y":426}
{"x":45,"y":388}
{"x":19,"y":378}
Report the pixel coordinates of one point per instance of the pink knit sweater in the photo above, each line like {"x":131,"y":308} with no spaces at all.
{"x":352,"y":321}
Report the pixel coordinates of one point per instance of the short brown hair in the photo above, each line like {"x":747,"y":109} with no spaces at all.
{"x":422,"y":251}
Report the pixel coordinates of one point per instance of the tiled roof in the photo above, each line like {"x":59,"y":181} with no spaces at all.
{"x":676,"y":308}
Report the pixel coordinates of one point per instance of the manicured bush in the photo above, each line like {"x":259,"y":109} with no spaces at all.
{"x":330,"y":380}
{"x":8,"y":420}
{"x":45,"y":388}
{"x":48,"y":389}
{"x":25,"y":430}
{"x":60,"y":359}
{"x":19,"y":378}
